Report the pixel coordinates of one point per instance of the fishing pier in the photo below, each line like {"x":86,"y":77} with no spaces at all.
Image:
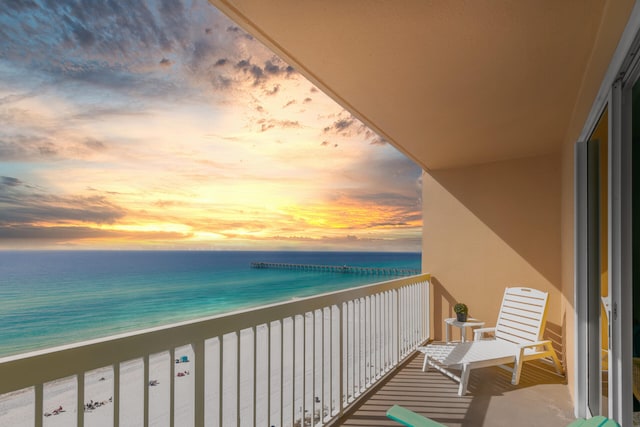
{"x":347,"y":269}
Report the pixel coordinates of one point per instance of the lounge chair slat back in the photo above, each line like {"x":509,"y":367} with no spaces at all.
{"x":522,"y":325}
{"x":520,"y":319}
{"x":527,"y":306}
{"x":527,"y":299}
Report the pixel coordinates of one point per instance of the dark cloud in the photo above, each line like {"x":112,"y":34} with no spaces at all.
{"x":165,"y":62}
{"x":307,"y":100}
{"x":271,"y":68}
{"x":257,"y":73}
{"x":24,"y":205}
{"x":19,"y":5}
{"x":10,"y":181}
{"x":341,"y":125}
{"x":220,"y":62}
{"x":379,"y":141}
{"x":273,"y":90}
{"x":243,"y":64}
{"x":293,"y":101}
{"x":82,"y":35}
{"x":239,"y":32}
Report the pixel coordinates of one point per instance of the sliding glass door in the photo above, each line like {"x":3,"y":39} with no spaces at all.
{"x":592,"y":157}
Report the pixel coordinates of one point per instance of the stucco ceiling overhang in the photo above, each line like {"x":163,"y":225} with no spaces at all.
{"x":449,"y":83}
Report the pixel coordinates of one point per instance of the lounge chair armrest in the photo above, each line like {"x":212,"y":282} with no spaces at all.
{"x":535,"y":344}
{"x":477,"y":333}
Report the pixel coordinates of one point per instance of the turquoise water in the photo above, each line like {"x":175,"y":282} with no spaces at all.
{"x":51,"y":298}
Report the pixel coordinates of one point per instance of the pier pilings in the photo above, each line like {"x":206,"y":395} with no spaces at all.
{"x":382,"y":271}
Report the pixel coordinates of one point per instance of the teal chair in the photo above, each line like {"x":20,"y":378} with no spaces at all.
{"x":411,"y":419}
{"x":598,"y":421}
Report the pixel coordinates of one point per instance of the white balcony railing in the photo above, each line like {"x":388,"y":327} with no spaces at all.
{"x":298,"y":363}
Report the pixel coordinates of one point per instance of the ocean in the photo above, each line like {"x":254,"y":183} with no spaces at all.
{"x":50,"y":298}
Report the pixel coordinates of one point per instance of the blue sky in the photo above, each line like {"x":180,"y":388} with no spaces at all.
{"x":163,"y":125}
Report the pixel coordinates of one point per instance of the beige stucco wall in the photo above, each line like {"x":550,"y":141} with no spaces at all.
{"x":490,"y":226}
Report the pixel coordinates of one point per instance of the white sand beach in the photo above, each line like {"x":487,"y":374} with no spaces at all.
{"x":16,"y":409}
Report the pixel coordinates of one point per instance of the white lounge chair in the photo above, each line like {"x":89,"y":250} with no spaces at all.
{"x":517,"y":337}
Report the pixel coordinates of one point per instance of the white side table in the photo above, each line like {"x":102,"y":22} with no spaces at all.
{"x":470,"y":323}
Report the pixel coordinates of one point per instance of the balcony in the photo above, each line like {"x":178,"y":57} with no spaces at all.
{"x":302,"y":362}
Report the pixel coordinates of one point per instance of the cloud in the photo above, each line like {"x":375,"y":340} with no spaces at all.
{"x":273,"y":91}
{"x":327,"y":143}
{"x":20,"y":5}
{"x":266,"y":124}
{"x":239,"y":32}
{"x":166,"y":62}
{"x":71,"y":233}
{"x":26,"y":148}
{"x":95,"y":145}
{"x":23,"y":204}
{"x":10,"y":181}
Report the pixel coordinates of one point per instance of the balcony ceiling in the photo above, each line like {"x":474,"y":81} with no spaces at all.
{"x":450,"y":83}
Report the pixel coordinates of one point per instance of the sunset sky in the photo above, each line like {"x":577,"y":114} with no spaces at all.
{"x":163,"y":125}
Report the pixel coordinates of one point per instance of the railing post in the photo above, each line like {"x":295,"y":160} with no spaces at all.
{"x":282,"y":372}
{"x":397,"y":327}
{"x":304,"y":365}
{"x":220,"y":380}
{"x":80,"y":399}
{"x":238,"y":370}
{"x":254,"y":331}
{"x":268,"y":373}
{"x":145,"y":388}
{"x":172,"y":386}
{"x":116,"y":394}
{"x":39,"y":405}
{"x":341,"y":362}
{"x":198,"y":355}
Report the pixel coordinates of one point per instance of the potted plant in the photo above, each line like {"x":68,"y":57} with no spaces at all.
{"x":462,"y":311}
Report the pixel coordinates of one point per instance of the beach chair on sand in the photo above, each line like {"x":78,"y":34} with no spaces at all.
{"x":517,"y":337}
{"x":409,"y":418}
